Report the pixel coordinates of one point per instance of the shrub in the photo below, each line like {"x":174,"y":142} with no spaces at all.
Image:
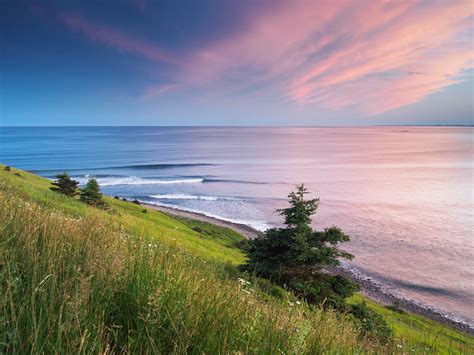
{"x":116,"y":197}
{"x":18,"y":174}
{"x":243,"y":244}
{"x":7,"y":168}
{"x":371,"y":323}
{"x":395,"y":307}
{"x":324,"y":289}
{"x":144,"y":210}
{"x":65,"y":185}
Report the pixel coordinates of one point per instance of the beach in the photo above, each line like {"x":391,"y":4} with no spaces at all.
{"x":369,"y":288}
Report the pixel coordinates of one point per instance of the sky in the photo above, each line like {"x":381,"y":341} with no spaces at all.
{"x":236,"y":62}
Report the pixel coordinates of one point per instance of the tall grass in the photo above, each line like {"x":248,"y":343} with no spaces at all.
{"x":82,"y":285}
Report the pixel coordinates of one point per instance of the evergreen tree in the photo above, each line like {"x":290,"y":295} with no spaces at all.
{"x":296,"y":251}
{"x":295,"y":255}
{"x":91,"y":194}
{"x":65,"y":185}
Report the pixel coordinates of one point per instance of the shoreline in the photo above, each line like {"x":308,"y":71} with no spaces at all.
{"x":369,"y":288}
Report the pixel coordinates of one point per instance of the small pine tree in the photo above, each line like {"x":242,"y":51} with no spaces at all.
{"x":283,"y":254}
{"x":65,"y":185}
{"x":91,"y":194}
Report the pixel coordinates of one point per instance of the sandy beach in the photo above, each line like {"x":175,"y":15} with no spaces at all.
{"x":369,"y":287}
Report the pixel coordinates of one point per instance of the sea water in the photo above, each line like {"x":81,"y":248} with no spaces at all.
{"x":403,"y":194}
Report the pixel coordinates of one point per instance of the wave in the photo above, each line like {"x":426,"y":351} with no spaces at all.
{"x":236,"y":181}
{"x":260,"y":226}
{"x":160,"y":166}
{"x":191,"y":197}
{"x":137,"y":167}
{"x":134,"y":180}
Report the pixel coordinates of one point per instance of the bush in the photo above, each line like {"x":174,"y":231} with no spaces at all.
{"x":243,"y":244}
{"x":135,"y":201}
{"x":330,"y":290}
{"x":18,"y":174}
{"x":116,"y":197}
{"x":124,"y":199}
{"x":270,"y":288}
{"x":7,"y":168}
{"x":395,"y":307}
{"x":371,"y":323}
{"x":144,"y":210}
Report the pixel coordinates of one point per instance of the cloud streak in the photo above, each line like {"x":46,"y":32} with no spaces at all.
{"x":367,"y":56}
{"x":116,"y":39}
{"x":337,"y":55}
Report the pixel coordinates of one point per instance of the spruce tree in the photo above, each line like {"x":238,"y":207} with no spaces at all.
{"x":295,"y":255}
{"x":91,"y":194}
{"x":65,"y":185}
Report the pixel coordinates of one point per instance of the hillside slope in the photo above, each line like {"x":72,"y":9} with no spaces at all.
{"x":83,"y":280}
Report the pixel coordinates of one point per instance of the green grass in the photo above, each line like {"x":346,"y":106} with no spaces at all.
{"x":76,"y":279}
{"x":425,"y":333}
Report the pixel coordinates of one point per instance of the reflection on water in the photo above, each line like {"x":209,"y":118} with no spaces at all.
{"x":404,"y":194}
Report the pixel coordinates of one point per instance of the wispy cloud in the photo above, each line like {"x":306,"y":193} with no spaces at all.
{"x":116,"y":38}
{"x":371,"y":56}
{"x":156,"y":90}
{"x":336,"y":54}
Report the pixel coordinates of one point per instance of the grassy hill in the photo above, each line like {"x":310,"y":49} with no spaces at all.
{"x":76,"y":279}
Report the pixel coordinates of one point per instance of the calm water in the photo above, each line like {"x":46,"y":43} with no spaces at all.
{"x":404,"y":194}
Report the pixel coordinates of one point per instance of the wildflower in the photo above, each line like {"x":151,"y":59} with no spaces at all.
{"x":291,"y":304}
{"x":243,"y":282}
{"x":298,"y":302}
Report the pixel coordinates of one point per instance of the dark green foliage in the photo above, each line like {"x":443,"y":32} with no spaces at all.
{"x":18,"y":174}
{"x":135,"y":201}
{"x":283,"y":254}
{"x":144,"y":210}
{"x":91,"y":194}
{"x":124,"y":199}
{"x":371,"y":323}
{"x":7,"y":168}
{"x":116,"y":197}
{"x":243,"y":245}
{"x":65,"y":185}
{"x":395,"y":306}
{"x":324,"y":288}
{"x":269,"y":288}
{"x":294,"y":257}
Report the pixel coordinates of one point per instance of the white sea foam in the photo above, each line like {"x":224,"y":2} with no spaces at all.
{"x":255,"y":224}
{"x":192,"y":197}
{"x":184,"y":197}
{"x":134,"y":180}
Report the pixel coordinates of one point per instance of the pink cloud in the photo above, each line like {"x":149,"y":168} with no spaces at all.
{"x":336,"y":54}
{"x":327,"y":54}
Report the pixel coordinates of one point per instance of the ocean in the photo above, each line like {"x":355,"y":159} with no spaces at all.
{"x":403,"y":194}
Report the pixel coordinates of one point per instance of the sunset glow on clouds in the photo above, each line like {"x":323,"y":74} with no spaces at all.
{"x":375,"y":56}
{"x":367,"y":57}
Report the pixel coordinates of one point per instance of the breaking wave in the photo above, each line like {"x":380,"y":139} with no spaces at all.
{"x":191,"y":197}
{"x":135,"y":180}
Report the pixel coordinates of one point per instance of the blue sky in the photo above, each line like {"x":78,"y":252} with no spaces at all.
{"x":139,"y":62}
